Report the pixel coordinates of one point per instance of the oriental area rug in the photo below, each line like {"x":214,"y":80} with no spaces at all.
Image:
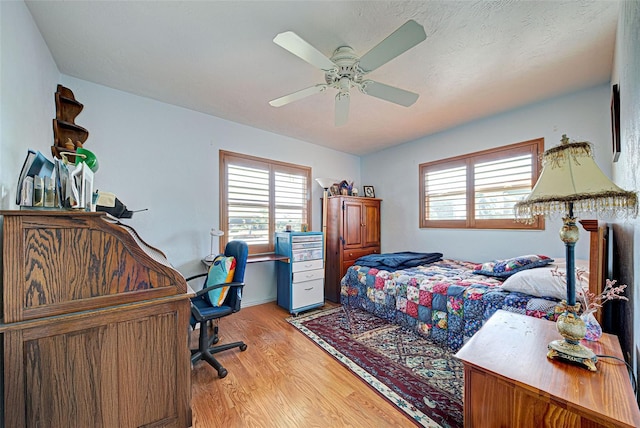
{"x":419,"y":377}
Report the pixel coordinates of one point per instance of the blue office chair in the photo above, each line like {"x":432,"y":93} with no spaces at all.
{"x":203,"y":312}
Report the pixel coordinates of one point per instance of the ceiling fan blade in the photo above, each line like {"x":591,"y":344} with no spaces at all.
{"x":301,"y":48}
{"x":404,"y":38}
{"x":279,"y":102}
{"x":342,"y":108}
{"x":389,"y":93}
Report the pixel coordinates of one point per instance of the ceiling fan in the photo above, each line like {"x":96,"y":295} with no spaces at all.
{"x":345,"y":70}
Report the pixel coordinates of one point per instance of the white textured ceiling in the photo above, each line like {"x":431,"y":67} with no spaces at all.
{"x":217,"y":57}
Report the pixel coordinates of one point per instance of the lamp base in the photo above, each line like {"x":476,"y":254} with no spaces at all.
{"x":573,"y":352}
{"x":572,"y":328}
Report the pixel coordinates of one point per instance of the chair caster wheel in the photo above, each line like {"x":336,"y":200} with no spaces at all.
{"x":215,"y":340}
{"x":222,"y":373}
{"x":243,"y":347}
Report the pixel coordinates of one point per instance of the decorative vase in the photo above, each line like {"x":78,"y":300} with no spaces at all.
{"x":594,"y":331}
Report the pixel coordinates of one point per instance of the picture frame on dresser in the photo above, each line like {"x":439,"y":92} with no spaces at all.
{"x":369,"y":191}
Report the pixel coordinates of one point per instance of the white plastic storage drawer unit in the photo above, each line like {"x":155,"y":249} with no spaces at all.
{"x":301,"y":278}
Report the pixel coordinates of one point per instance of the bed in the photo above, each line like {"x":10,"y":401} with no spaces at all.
{"x":448,"y":300}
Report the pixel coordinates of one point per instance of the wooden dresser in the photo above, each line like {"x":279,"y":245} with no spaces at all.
{"x":353,"y":231}
{"x":94,"y":328}
{"x":510,"y":382}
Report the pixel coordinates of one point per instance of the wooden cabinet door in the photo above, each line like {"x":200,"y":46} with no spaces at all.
{"x":361,"y":224}
{"x":371,"y":222}
{"x":69,"y":378}
{"x":478,"y":387}
{"x":111,"y":368}
{"x":352,"y":224}
{"x":151,"y":370}
{"x":61,"y":376}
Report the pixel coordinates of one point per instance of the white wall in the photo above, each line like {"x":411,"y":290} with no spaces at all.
{"x":394,"y":174}
{"x":28,"y":78}
{"x":626,"y":266}
{"x":152,"y":155}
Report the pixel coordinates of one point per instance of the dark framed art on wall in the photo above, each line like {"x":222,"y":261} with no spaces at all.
{"x":615,"y":122}
{"x":369,"y":192}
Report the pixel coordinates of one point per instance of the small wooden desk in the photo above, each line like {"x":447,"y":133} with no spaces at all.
{"x":510,"y":382}
{"x":257,"y":258}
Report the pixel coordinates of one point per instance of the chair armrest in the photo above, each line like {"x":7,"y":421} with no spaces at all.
{"x":200,"y":275}
{"x":195,"y":311}
{"x":216,"y":286}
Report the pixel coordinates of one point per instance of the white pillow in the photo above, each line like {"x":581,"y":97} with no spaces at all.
{"x":541,"y":282}
{"x":561,"y":262}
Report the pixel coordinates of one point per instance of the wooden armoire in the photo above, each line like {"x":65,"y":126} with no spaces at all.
{"x":353,"y":231}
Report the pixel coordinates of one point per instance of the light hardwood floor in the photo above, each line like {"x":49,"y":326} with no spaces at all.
{"x":282,"y":380}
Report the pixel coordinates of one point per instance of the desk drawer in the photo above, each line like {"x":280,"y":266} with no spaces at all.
{"x":306,"y":265}
{"x":307,"y":254}
{"x":307,"y":293}
{"x":308,"y":275}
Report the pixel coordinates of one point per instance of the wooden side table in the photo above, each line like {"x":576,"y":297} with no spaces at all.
{"x":510,"y":382}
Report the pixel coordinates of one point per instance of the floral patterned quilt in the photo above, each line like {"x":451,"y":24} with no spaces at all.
{"x":444,"y":301}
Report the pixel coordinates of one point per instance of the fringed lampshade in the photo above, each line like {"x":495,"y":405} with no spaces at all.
{"x":570,"y":175}
{"x":571,"y":184}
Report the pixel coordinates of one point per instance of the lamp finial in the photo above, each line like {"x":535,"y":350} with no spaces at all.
{"x":564,"y":139}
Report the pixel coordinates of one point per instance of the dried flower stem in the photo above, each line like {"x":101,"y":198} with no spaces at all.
{"x":590,"y":301}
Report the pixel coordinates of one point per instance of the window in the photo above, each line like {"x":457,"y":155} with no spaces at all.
{"x":479,"y":190}
{"x":259,"y":197}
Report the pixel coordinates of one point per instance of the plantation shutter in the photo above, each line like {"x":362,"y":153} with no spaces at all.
{"x":499,"y":184}
{"x":248,"y":204}
{"x":291,"y":200}
{"x":446,"y":194}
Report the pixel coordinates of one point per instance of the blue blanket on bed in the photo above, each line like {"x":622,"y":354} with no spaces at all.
{"x":396,"y":261}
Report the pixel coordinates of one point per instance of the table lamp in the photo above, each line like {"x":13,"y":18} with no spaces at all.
{"x":215,"y":233}
{"x":571,"y":183}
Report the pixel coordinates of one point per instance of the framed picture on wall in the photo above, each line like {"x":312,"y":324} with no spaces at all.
{"x":369,"y":192}
{"x":615,"y":122}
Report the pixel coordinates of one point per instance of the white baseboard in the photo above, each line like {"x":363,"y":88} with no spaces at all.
{"x":246,"y":304}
